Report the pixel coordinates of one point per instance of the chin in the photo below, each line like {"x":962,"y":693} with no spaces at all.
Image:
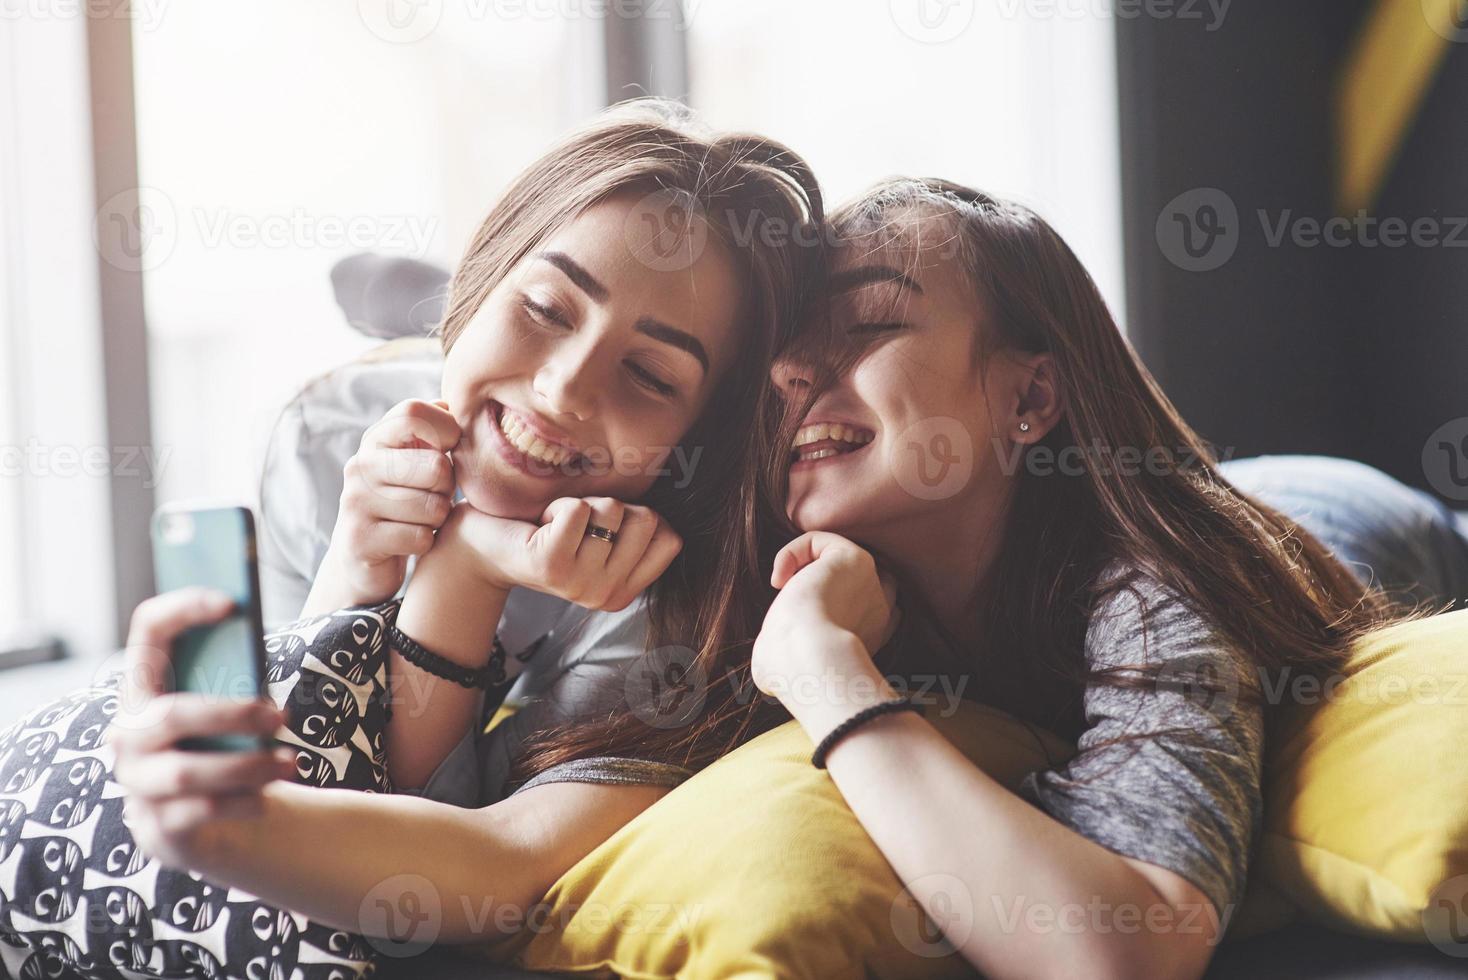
{"x":496,"y":494}
{"x":812,"y":512}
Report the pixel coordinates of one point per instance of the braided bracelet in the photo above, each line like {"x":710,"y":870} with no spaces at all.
{"x":481,"y":678}
{"x":818,"y":757}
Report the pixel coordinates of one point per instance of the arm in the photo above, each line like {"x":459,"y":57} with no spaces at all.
{"x":457,"y":595}
{"x":328,"y":853}
{"x":348,"y":850}
{"x":1032,"y":896}
{"x":453,"y":612}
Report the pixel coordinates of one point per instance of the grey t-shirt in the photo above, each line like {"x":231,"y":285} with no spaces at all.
{"x":1187,"y":795}
{"x":572,"y":663}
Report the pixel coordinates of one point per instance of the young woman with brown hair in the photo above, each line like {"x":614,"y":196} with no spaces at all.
{"x":619,"y":304}
{"x":1067,"y":545}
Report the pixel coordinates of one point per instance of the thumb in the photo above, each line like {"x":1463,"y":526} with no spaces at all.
{"x":803,"y":551}
{"x":497,"y":535}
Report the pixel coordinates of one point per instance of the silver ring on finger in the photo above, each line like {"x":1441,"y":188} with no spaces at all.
{"x":601,"y":533}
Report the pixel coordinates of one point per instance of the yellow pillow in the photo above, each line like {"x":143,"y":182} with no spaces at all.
{"x":756,"y":867}
{"x":1366,"y":787}
{"x":757,"y":863}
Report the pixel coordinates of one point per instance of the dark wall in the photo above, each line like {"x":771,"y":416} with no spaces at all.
{"x":1270,"y":350}
{"x":1413,"y":302}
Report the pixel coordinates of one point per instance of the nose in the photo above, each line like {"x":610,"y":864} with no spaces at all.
{"x":792,"y":377}
{"x":568,"y":382}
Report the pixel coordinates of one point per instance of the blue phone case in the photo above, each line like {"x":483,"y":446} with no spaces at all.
{"x":214,"y":547}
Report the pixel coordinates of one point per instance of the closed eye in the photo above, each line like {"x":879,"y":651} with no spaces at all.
{"x":869,"y":329}
{"x":650,"y":381}
{"x":545,"y":315}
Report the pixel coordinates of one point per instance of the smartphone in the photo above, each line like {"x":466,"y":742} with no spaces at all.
{"x":214,"y":546}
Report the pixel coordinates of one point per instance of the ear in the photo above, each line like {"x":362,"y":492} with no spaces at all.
{"x":1038,"y":401}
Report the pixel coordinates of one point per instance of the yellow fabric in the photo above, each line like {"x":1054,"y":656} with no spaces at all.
{"x":504,"y":711}
{"x":1366,"y":788}
{"x":756,"y":867}
{"x":798,"y":888}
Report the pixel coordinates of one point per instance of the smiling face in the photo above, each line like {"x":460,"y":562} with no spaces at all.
{"x":898,"y":447}
{"x":586,"y":364}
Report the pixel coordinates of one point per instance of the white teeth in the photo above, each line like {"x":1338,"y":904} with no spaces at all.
{"x":518,"y":434}
{"x":820,"y":454}
{"x":830,"y":430}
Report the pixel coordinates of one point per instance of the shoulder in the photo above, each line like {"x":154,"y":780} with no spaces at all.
{"x":1140,"y":618}
{"x":1147,"y":628}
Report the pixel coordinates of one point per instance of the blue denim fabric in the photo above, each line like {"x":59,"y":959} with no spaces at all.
{"x":1390,"y":534}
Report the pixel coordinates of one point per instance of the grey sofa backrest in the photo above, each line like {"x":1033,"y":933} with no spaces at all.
{"x":301,"y":482}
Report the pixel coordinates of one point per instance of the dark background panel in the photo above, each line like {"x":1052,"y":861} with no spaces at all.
{"x":1351,"y":351}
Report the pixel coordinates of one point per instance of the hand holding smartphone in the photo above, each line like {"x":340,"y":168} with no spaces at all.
{"x":214,"y":546}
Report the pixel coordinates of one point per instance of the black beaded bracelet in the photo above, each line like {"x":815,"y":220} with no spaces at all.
{"x":482,"y":678}
{"x":818,"y":757}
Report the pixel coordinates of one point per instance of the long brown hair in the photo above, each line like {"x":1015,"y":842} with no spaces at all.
{"x":1270,"y":589}
{"x":760,"y":203}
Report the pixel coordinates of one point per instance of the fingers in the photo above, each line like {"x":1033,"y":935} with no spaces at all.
{"x":155,"y":624}
{"x":661,"y":550}
{"x":566,"y":520}
{"x":415,"y":424}
{"x":889,"y":587}
{"x":385,"y":539}
{"x":174,"y":773}
{"x":803,"y":551}
{"x":421,"y":469}
{"x":634,"y":536}
{"x":608,"y":513}
{"x":596,"y":573}
{"x":170,"y":718}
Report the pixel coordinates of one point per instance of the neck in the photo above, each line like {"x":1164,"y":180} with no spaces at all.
{"x":946,"y":554}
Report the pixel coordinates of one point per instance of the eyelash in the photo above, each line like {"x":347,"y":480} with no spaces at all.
{"x":650,"y":381}
{"x":875,"y":328}
{"x":641,"y":375}
{"x":543,"y":314}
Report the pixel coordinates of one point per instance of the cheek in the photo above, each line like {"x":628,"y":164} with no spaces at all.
{"x":636,"y":460}
{"x":487,"y":347}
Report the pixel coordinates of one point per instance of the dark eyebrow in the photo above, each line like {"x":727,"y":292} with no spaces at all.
{"x":574,"y":272}
{"x":658,"y":330}
{"x":844,"y":282}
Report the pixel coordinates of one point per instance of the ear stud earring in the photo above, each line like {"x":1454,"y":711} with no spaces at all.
{"x":1024,"y":427}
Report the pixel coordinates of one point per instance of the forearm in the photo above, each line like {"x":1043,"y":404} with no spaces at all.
{"x":330,"y":590}
{"x":455,"y":616}
{"x":1034,"y":897}
{"x":332,"y":854}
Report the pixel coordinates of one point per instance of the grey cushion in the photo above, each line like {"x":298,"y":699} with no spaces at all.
{"x":316,"y":434}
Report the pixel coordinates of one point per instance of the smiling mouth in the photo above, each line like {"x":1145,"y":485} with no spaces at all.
{"x":824,"y":440}
{"x":523,"y":439}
